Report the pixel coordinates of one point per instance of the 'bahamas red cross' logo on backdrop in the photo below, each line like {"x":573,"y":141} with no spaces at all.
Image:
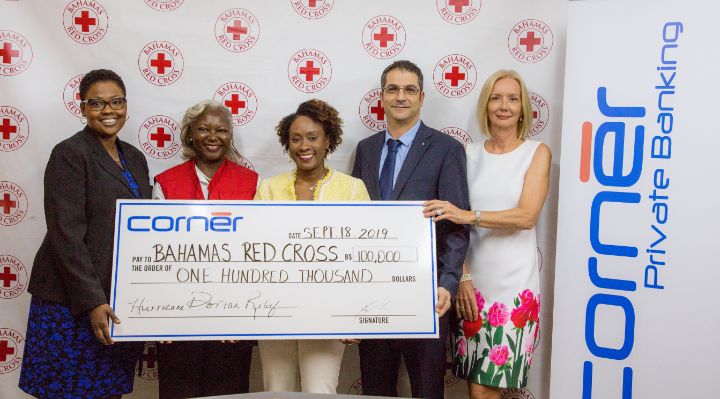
{"x":14,"y":128}
{"x":458,"y":12}
{"x":455,"y":76}
{"x":164,"y":5}
{"x":530,"y":41}
{"x":15,"y":53}
{"x":240,"y":100}
{"x":541,"y":113}
{"x":371,"y":111}
{"x":309,"y":70}
{"x":11,"y":344}
{"x":383,"y":36}
{"x":237,"y":30}
{"x":13,"y":203}
{"x":86,"y":22}
{"x":159,"y":136}
{"x":161,"y":63}
{"x":13,"y":277}
{"x":312,"y":9}
{"x":147,"y":367}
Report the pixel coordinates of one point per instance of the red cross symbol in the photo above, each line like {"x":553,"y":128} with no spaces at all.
{"x":7,"y":53}
{"x":77,"y":96}
{"x":85,"y":21}
{"x":312,"y":3}
{"x":236,"y":29}
{"x":535,"y":114}
{"x":160,"y":137}
{"x":7,"y":204}
{"x":160,"y":63}
{"x":454,"y":76}
{"x":7,"y":277}
{"x":309,"y":71}
{"x":378,"y":111}
{"x":6,"y":128}
{"x":150,"y":357}
{"x":459,"y":4}
{"x":384,"y":37}
{"x":234,"y":103}
{"x":5,"y":350}
{"x":530,"y":41}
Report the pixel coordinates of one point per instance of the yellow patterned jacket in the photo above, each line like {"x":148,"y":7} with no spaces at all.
{"x":334,"y":186}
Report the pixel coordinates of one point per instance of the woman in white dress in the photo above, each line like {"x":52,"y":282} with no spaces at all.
{"x":498,"y":301}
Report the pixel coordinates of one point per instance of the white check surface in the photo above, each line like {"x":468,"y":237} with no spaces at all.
{"x":211,"y":270}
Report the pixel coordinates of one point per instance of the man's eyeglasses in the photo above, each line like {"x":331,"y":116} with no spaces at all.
{"x":409,"y":90}
{"x":97,"y":104}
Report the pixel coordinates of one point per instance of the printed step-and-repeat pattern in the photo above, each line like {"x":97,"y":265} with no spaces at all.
{"x":261,"y":59}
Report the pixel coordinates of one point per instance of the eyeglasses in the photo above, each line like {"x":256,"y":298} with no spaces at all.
{"x":409,"y":90}
{"x":97,"y":104}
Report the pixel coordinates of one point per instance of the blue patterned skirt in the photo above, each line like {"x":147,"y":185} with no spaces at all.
{"x":63,"y":359}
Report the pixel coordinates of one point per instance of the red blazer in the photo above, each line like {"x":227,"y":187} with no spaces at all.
{"x":230,"y":182}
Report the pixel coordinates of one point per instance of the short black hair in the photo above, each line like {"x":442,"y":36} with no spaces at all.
{"x":99,"y":75}
{"x":403,"y":65}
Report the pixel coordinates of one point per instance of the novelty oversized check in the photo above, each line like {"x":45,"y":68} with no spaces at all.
{"x":210,"y":270}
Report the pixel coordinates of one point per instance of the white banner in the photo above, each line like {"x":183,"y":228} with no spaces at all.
{"x":187,"y":270}
{"x":261,"y":59}
{"x":636,"y":261}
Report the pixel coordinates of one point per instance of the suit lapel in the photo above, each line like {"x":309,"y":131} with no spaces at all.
{"x":375,"y":147}
{"x":104,"y":160}
{"x":420,"y":144}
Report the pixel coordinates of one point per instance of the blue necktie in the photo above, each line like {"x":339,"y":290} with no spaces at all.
{"x":388,"y":170}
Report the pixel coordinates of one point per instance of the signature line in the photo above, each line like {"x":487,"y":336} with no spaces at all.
{"x":200,"y":317}
{"x":373,"y":315}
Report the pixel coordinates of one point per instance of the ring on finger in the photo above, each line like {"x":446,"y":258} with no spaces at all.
{"x":438,"y":212}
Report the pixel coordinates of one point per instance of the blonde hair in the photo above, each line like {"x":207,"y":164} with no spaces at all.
{"x":189,"y":119}
{"x":525,"y":122}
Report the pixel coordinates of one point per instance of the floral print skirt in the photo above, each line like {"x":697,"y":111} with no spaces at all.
{"x":64,"y":360}
{"x":496,"y":350}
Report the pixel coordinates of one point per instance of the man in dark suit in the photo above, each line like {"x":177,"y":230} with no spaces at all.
{"x":410,"y":161}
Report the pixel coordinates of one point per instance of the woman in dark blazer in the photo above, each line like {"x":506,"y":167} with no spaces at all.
{"x":68,"y":349}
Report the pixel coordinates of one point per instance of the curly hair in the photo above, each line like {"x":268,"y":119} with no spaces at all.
{"x":191,"y":115}
{"x":320,"y":112}
{"x":99,"y":75}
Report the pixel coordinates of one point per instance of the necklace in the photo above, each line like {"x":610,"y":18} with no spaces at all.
{"x":312,"y":187}
{"x":116,"y":157}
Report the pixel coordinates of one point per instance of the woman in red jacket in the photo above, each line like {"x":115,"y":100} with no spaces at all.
{"x":212,"y":171}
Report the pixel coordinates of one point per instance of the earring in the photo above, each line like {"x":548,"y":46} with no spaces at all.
{"x":127,"y":118}
{"x":83,"y":120}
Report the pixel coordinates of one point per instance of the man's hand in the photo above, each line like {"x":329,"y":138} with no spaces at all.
{"x":443,"y":301}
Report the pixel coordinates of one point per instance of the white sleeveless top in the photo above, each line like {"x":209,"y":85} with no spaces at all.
{"x":502,"y":262}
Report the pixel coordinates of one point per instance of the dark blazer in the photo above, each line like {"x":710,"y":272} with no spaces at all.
{"x":434,"y":168}
{"x":74,"y":263}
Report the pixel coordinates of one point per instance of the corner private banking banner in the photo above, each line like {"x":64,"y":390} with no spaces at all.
{"x":261,"y":59}
{"x":636,"y":261}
